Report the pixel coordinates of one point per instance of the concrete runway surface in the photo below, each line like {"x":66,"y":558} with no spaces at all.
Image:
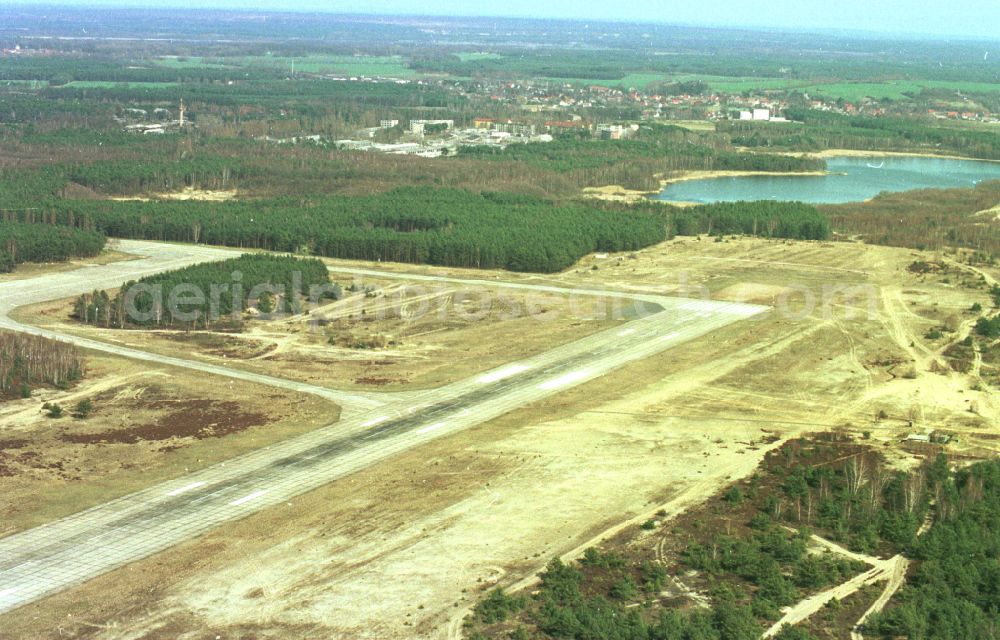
{"x":52,"y":557}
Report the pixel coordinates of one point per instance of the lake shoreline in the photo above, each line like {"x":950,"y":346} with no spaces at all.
{"x":687,"y":176}
{"x":856,"y":153}
{"x":912,"y":171}
{"x":618,"y":193}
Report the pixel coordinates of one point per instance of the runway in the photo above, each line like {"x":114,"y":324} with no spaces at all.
{"x":44,"y":560}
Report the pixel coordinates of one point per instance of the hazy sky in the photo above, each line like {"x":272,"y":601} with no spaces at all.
{"x":938,"y":17}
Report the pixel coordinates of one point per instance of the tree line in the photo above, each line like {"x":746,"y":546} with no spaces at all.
{"x":636,"y":162}
{"x":763,"y":218}
{"x":22,"y":242}
{"x":815,"y":130}
{"x":418,"y":225}
{"x":212,"y":295}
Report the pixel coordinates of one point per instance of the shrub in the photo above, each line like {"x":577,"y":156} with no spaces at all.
{"x":734,"y":496}
{"x":498,"y":605}
{"x":624,"y":589}
{"x":83,"y":409}
{"x":988,"y":327}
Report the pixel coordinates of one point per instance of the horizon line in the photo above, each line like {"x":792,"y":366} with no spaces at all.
{"x":803,"y":29}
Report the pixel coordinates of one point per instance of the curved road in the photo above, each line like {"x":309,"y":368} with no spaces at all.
{"x":154,"y":258}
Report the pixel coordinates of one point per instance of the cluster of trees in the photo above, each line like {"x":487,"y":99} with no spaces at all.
{"x":635,"y":162}
{"x":27,"y":361}
{"x":764,"y":218}
{"x":206,"y":172}
{"x":773,"y":562}
{"x":926,"y":219}
{"x":989,"y":327}
{"x":138,"y":165}
{"x":574,"y":603}
{"x":210,"y":295}
{"x":829,"y":130}
{"x":859,"y":502}
{"x":754,"y":573}
{"x":955,"y":590}
{"x":61,"y":70}
{"x":23,"y":190}
{"x":21,"y":242}
{"x":419,"y":225}
{"x":682,"y":88}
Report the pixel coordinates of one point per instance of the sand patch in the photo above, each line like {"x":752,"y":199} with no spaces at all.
{"x":188,"y":193}
{"x":616,"y":193}
{"x":993,"y":213}
{"x":684,"y":176}
{"x":753,"y":292}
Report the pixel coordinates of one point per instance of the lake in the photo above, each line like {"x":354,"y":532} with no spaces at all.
{"x":851,"y":179}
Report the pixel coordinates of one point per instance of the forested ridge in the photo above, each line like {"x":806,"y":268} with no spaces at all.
{"x":417,"y":225}
{"x":207,"y":295}
{"x":23,"y":242}
{"x":817,"y":130}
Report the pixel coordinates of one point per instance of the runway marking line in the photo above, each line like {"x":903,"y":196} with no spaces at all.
{"x":247,"y":498}
{"x":430,"y":427}
{"x":190,"y":487}
{"x":567,"y":379}
{"x":506,"y":372}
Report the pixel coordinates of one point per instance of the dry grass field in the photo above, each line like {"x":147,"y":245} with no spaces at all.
{"x":405,"y":336}
{"x":402,"y":549}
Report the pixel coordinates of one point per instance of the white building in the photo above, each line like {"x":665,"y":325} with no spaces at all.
{"x":417,"y":126}
{"x":388,"y":124}
{"x":355,"y":145}
{"x":614,"y":131}
{"x":762,"y":114}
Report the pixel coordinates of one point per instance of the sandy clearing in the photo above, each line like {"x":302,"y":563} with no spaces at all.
{"x":360,"y":557}
{"x":187,"y":193}
{"x":992,"y":213}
